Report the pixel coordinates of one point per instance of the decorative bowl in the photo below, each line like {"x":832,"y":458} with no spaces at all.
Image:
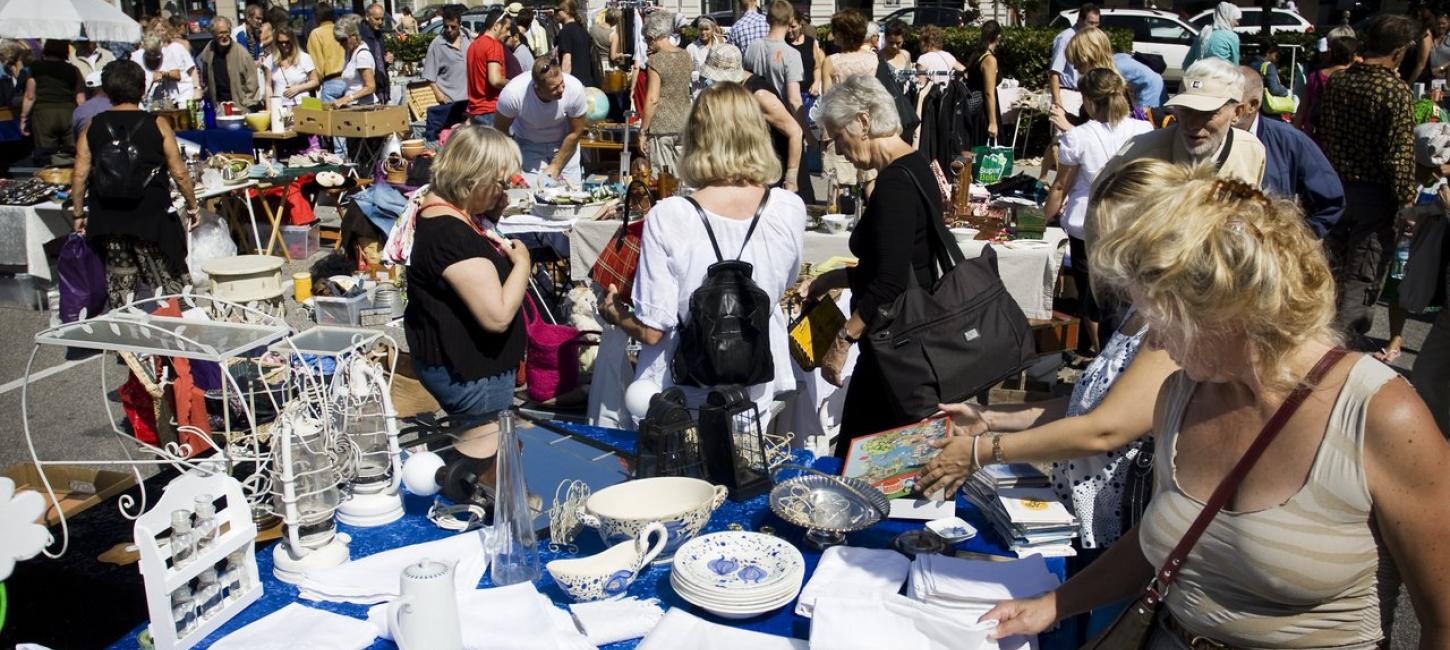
{"x":413,"y":148}
{"x":609,"y":573}
{"x":682,"y":505}
{"x":836,"y":223}
{"x":259,"y":121}
{"x":232,"y":122}
{"x":738,"y":562}
{"x":828,"y":506}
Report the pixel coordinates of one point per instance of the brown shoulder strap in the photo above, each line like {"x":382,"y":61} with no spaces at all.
{"x":1230,"y":484}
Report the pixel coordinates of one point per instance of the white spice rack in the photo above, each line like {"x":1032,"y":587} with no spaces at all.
{"x":236,"y":532}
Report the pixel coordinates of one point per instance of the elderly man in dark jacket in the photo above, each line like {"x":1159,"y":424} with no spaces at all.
{"x":373,"y":36}
{"x":1294,"y":166}
{"x":228,"y":72}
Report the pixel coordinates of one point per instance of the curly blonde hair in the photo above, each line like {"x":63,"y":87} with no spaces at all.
{"x":1206,"y":257}
{"x":727,"y":141}
{"x":473,"y":155}
{"x":1090,"y":49}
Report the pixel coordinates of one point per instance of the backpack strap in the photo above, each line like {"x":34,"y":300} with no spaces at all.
{"x":754,"y":221}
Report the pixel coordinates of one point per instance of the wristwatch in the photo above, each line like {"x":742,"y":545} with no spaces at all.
{"x":843,"y":335}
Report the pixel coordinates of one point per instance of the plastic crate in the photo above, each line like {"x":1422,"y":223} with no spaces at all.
{"x":341,"y":311}
{"x":302,"y":241}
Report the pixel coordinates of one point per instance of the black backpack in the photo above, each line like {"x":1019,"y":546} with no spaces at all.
{"x":726,"y":339}
{"x":116,"y":169}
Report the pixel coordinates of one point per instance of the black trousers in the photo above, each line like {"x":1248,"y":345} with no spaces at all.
{"x":1359,"y":248}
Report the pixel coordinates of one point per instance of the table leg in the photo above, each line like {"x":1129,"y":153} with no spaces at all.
{"x":276,"y":219}
{"x":252,"y":218}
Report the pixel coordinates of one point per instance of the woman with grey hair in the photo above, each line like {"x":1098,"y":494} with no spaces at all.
{"x":890,"y":242}
{"x":359,"y":70}
{"x":667,"y":94}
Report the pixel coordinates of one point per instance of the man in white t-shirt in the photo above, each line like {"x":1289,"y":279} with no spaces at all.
{"x":544,"y":111}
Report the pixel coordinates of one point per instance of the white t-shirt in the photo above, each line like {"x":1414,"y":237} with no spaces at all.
{"x":174,"y":56}
{"x":534,"y":119}
{"x":1089,"y":147}
{"x":675,"y":254}
{"x":938,"y":61}
{"x":361,"y":59}
{"x":285,"y":76}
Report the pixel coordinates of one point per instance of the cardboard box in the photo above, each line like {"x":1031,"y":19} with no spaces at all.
{"x":312,"y":121}
{"x":77,"y":488}
{"x":370,"y":121}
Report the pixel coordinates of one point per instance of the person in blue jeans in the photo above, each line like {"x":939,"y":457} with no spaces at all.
{"x":466,"y":287}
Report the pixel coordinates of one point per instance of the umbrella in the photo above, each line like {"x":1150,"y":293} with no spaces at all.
{"x":96,"y":20}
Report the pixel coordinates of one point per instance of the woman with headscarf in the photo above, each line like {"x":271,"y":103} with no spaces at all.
{"x":1218,"y":39}
{"x":709,"y":36}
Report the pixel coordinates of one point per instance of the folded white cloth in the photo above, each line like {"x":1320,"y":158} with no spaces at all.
{"x":890,"y":621}
{"x":375,"y":578}
{"x":850,"y":571}
{"x":608,"y":621}
{"x":298,"y":626}
{"x":516,"y":617}
{"x":681,"y":629}
{"x":977,"y":585}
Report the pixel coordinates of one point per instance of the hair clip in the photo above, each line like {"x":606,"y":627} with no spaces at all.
{"x":1232,"y":189}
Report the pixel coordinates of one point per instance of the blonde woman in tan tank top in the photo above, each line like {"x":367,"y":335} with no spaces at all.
{"x":1304,"y":554}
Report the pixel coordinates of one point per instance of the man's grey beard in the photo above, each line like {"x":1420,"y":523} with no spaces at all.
{"x":1208,"y":149}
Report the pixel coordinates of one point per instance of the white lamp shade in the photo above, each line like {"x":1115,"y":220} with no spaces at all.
{"x":420,"y":472}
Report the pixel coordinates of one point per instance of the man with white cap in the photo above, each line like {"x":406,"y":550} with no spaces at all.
{"x":1203,"y":132}
{"x":97,"y":104}
{"x":88,"y":58}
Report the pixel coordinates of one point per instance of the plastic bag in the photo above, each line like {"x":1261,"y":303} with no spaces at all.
{"x":210,"y":240}
{"x":82,"y":280}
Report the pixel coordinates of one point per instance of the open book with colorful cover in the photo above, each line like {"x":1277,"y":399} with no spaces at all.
{"x":891,"y":460}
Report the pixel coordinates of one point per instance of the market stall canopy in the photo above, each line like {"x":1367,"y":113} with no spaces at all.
{"x":96,"y":20}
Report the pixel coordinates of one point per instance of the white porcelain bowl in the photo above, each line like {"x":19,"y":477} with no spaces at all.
{"x":836,"y":223}
{"x":683,"y":505}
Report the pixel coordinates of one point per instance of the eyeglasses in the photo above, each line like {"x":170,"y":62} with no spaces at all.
{"x":284,"y":43}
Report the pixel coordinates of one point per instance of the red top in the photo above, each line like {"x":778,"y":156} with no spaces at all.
{"x":482,"y":98}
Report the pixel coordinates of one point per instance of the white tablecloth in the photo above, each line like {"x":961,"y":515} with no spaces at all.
{"x":1028,"y":268}
{"x":24,"y":232}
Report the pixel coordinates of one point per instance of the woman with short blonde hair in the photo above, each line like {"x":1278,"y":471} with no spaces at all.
{"x":466,"y":285}
{"x":1236,"y":289}
{"x":734,"y":211}
{"x":1090,"y":49}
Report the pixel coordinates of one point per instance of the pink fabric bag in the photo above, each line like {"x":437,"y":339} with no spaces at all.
{"x":551,"y":364}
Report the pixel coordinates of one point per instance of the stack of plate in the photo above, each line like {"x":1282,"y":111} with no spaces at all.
{"x":738,"y":574}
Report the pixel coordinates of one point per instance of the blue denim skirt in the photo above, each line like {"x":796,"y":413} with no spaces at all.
{"x":469,"y":403}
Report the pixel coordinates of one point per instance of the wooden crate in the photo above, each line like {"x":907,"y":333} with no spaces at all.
{"x":1057,"y":334}
{"x":420,"y":98}
{"x":370,"y":121}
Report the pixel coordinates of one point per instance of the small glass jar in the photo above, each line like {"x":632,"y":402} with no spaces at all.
{"x":209,"y":594}
{"x":207,"y":526}
{"x":183,"y":611}
{"x":233,"y":577}
{"x":183,"y":540}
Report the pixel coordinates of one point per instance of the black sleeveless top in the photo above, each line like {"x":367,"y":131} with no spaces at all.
{"x":151,"y":217}
{"x":807,"y":48}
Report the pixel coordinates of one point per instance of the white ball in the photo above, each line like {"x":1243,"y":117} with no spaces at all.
{"x":420,"y":472}
{"x":638,"y":395}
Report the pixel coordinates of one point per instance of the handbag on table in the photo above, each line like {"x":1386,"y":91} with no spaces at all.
{"x":1134,"y":627}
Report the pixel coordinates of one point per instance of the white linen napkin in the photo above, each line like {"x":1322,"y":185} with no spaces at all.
{"x":977,"y":585}
{"x":376,"y":578}
{"x":516,"y":617}
{"x":298,"y":626}
{"x":681,"y":629}
{"x":608,"y":621}
{"x":845,"y":570}
{"x":890,"y":621}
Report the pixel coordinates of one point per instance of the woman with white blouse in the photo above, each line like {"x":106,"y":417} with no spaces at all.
{"x":728,"y":156}
{"x":359,"y":70}
{"x":290,"y":70}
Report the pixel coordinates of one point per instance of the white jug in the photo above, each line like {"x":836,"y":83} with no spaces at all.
{"x":425,"y":616}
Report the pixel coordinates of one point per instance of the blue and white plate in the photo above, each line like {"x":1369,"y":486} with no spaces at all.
{"x":738,"y":562}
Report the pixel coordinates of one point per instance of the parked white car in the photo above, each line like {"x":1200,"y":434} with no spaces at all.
{"x":1154,"y":32}
{"x":1281,"y":20}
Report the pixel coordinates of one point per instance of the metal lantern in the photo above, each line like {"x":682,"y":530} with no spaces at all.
{"x":669,"y":441}
{"x":735,"y":446}
{"x":367,"y":420}
{"x":305,"y":487}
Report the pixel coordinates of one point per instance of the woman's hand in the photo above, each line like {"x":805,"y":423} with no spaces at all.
{"x":78,"y":224}
{"x":1024,"y":616}
{"x":644,"y":143}
{"x":947,"y":470}
{"x":834,"y":361}
{"x":292,"y":91}
{"x":967,"y":419}
{"x":341,"y":102}
{"x":519,"y":253}
{"x":612,"y":309}
{"x":193,"y":217}
{"x":992,"y":131}
{"x":1058,"y":117}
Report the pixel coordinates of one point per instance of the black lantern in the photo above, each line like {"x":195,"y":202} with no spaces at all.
{"x":669,"y":442}
{"x":734,"y":443}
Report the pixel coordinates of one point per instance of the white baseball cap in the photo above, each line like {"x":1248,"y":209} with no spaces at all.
{"x":93,"y":80}
{"x":1201,"y":92}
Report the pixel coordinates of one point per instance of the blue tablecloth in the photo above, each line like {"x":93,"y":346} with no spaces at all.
{"x":654,"y":582}
{"x":215,"y":141}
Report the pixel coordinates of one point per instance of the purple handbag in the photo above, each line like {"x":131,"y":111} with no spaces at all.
{"x":82,"y":280}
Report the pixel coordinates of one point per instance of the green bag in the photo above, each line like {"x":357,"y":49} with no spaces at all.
{"x":1275,"y":104}
{"x":991,"y":163}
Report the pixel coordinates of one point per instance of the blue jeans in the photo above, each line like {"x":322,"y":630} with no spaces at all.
{"x":482,"y":120}
{"x":538,"y":155}
{"x":329,"y":92}
{"x":468,"y":402}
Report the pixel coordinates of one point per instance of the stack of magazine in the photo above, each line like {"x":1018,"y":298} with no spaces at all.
{"x":1018,"y":501}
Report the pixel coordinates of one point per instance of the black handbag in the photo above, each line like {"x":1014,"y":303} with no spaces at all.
{"x":951,"y":342}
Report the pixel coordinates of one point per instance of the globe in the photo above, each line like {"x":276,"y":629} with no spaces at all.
{"x":596,"y":105}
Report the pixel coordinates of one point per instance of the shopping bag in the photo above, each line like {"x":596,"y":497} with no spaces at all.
{"x":208,"y":241}
{"x":82,"y":280}
{"x":399,"y":247}
{"x":991,"y":163}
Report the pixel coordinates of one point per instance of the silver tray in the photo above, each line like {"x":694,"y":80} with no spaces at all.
{"x":828,"y":506}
